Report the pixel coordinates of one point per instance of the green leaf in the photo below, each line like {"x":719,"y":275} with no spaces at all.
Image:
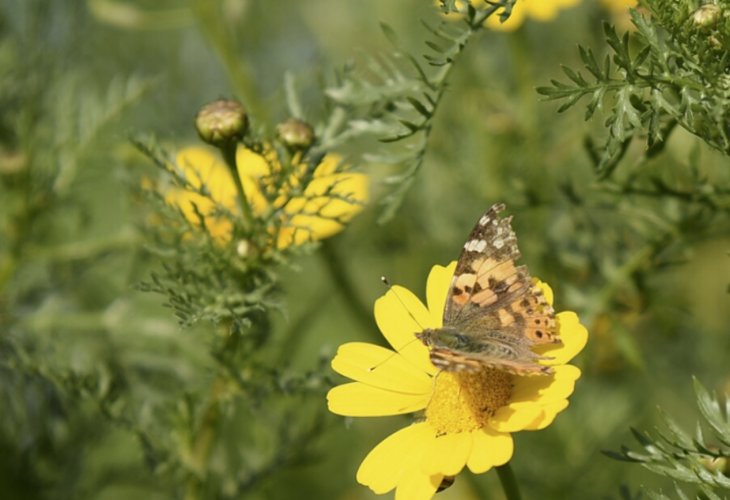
{"x":575,"y":76}
{"x":715,"y":413}
{"x":418,"y":106}
{"x":436,"y":47}
{"x":571,"y":101}
{"x":389,"y":33}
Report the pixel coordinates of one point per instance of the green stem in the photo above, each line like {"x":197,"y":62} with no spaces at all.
{"x":340,"y":277}
{"x":216,"y":29}
{"x":229,"y":156}
{"x":509,"y":482}
{"x":295,"y":335}
{"x":205,"y":435}
{"x":619,"y":278}
{"x":202,"y":443}
{"x":527,"y":97}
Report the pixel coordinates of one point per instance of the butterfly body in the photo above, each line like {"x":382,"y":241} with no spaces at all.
{"x":494,"y":314}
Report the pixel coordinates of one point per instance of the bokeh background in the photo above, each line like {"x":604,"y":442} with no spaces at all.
{"x":97,"y":377}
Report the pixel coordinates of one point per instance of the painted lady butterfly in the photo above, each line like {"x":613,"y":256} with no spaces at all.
{"x":494,"y":312}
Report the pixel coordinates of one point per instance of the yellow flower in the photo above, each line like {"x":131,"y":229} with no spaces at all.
{"x":467,"y":419}
{"x":540,"y":10}
{"x":320,"y":210}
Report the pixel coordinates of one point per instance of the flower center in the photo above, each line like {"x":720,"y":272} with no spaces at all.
{"x":463,"y":402}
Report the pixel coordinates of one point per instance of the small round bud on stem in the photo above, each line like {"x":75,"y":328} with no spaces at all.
{"x":295,"y":133}
{"x":221,"y":122}
{"x":707,"y":15}
{"x":716,"y":464}
{"x":243,"y":248}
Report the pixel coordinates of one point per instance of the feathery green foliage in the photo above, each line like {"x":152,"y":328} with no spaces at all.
{"x":213,"y":385}
{"x":700,"y":459}
{"x":673,"y":70}
{"x":397,"y":98}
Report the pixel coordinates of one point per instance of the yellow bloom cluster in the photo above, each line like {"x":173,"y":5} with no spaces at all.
{"x":543,"y":11}
{"x":540,"y":10}
{"x":467,"y":418}
{"x":319,"y":210}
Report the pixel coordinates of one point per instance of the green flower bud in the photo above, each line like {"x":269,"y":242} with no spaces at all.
{"x":295,"y":133}
{"x":243,"y":247}
{"x":707,"y":15}
{"x":715,"y":464}
{"x":221,"y":122}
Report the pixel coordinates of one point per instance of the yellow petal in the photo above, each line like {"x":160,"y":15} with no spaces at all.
{"x":549,"y":412}
{"x":359,"y":400}
{"x":415,"y":485}
{"x":447,"y":454}
{"x":305,"y":229}
{"x":190,"y":204}
{"x":437,"y":288}
{"x":328,"y":202}
{"x":380,"y":367}
{"x":563,"y":4}
{"x":202,"y":167}
{"x":400,"y":315}
{"x":490,"y":448}
{"x":328,"y":165}
{"x":515,"y":416}
{"x":256,"y":199}
{"x":351,"y":185}
{"x":573,"y":335}
{"x":515,"y":19}
{"x":386,"y":463}
{"x":251,"y":164}
{"x":544,"y":389}
{"x":196,"y":163}
{"x":541,"y":10}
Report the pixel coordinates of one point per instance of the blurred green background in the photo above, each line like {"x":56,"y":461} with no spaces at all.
{"x":90,"y":367}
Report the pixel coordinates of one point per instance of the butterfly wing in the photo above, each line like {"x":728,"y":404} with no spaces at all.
{"x":452,"y":350}
{"x":455,"y":361}
{"x":494,"y":304}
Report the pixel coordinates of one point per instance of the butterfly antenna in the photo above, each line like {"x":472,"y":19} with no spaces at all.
{"x":395,"y":293}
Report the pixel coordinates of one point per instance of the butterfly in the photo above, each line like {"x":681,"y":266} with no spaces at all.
{"x":494,"y":314}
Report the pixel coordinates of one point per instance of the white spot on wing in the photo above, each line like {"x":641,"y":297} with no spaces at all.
{"x":475,"y":246}
{"x":499,"y":243}
{"x":484,"y":220}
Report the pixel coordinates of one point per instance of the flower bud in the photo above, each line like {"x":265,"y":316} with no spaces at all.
{"x":707,"y":15}
{"x":716,"y":464}
{"x":295,"y":133}
{"x":221,"y":122}
{"x":242,"y":248}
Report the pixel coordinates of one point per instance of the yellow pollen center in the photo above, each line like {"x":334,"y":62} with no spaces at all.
{"x":463,"y":402}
